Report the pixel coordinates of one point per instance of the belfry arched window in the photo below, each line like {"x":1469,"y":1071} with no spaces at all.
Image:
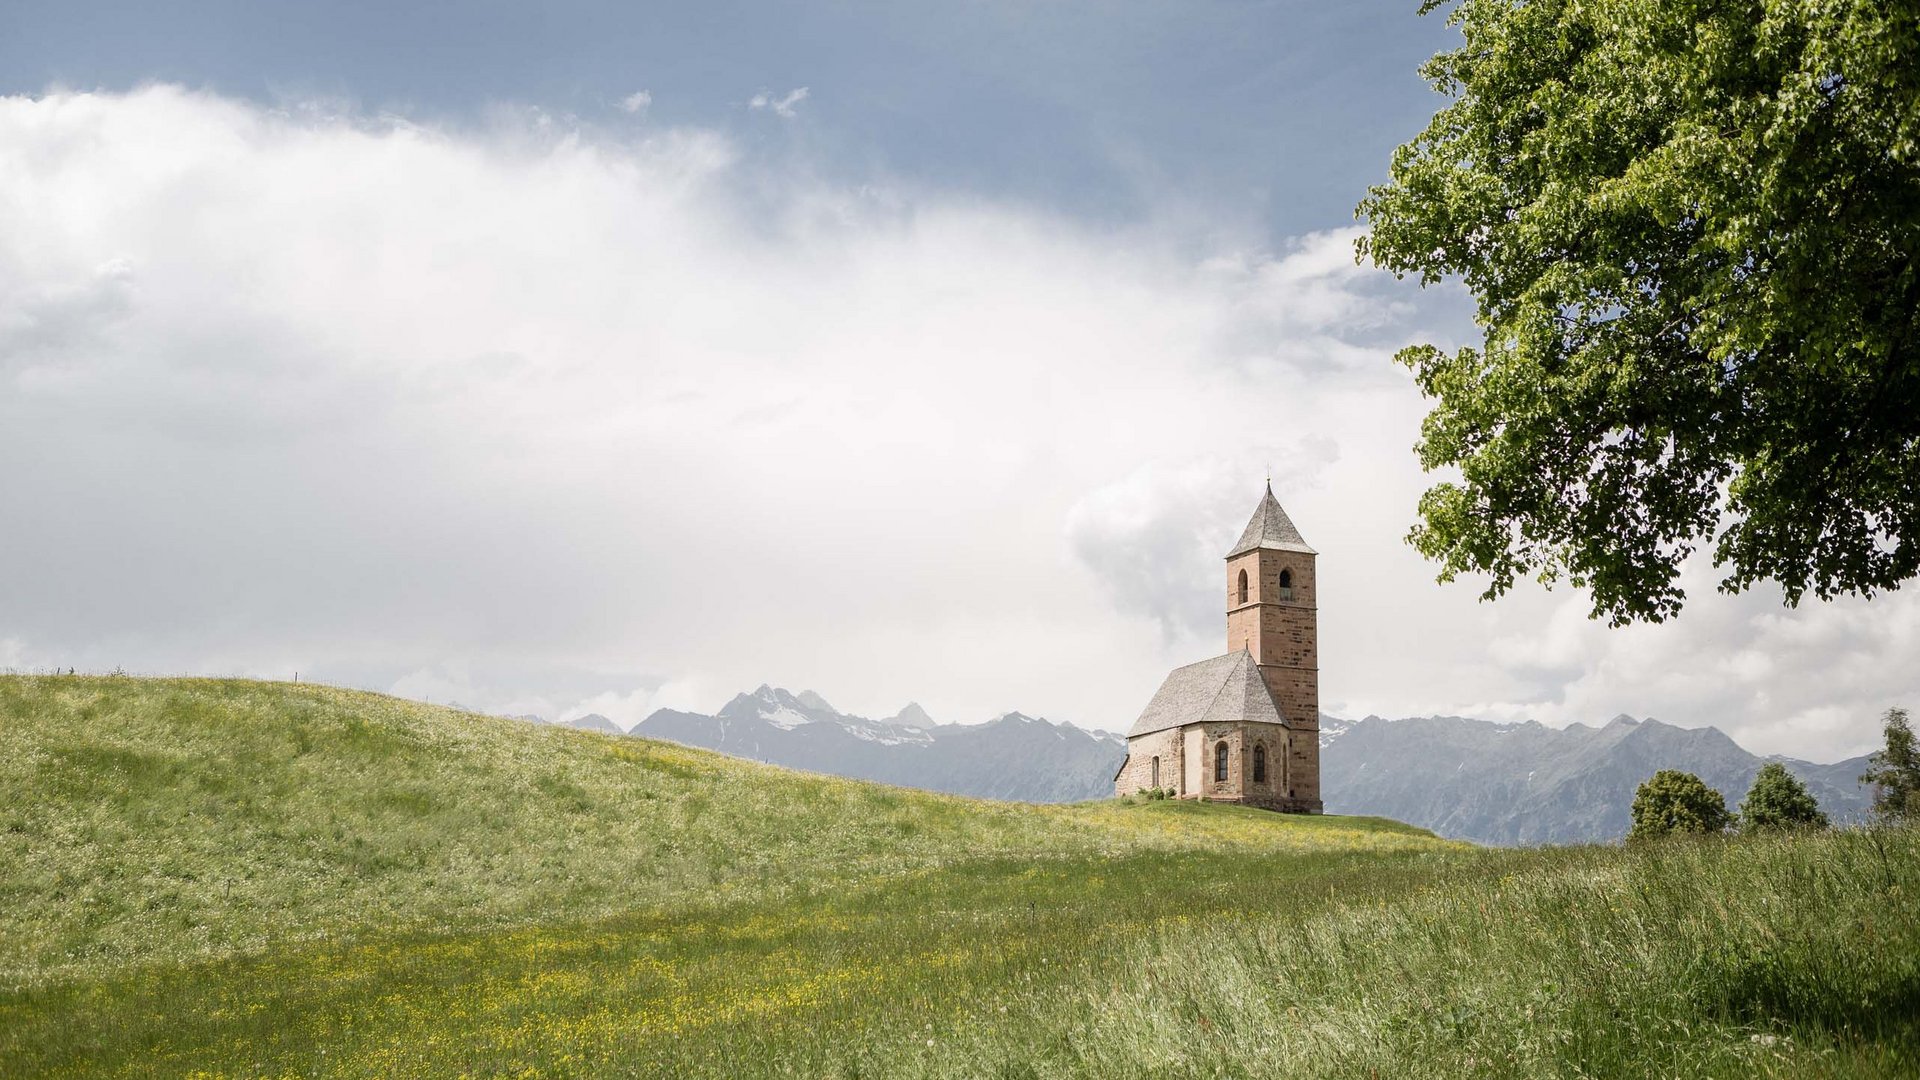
{"x":1259,"y":764}
{"x":1220,"y":763}
{"x":1243,"y":587}
{"x":1286,"y":584}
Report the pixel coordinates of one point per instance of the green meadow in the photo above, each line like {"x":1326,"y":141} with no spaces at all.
{"x":231,"y":878}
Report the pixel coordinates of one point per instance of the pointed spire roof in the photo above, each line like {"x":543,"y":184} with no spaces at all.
{"x":1270,"y":528}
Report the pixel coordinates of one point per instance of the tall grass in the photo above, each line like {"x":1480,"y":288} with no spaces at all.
{"x":1777,"y":956}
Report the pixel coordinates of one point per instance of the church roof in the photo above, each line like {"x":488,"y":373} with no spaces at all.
{"x":1221,"y":690}
{"x":1270,"y":528}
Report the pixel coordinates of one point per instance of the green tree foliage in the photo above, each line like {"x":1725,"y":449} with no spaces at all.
{"x":1692,"y":230}
{"x":1895,"y":771}
{"x":1672,"y":801}
{"x":1777,"y":800}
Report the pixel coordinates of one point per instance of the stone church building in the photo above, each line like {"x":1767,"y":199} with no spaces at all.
{"x":1245,"y":726}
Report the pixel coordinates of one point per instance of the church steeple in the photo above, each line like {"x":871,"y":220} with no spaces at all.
{"x":1270,"y":528}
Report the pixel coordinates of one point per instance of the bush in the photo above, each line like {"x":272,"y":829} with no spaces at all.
{"x":1779,"y":801}
{"x":1677,"y":802}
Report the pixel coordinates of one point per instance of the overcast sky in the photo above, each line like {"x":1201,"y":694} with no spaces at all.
{"x":566,"y":358}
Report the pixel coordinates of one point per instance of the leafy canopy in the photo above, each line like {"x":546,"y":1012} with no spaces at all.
{"x":1894,"y":771}
{"x":1778,"y":800}
{"x":1692,"y":230}
{"x":1672,"y":801}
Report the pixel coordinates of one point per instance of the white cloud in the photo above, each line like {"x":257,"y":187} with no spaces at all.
{"x":784,"y":107}
{"x":13,"y":655}
{"x":636,"y":102}
{"x":628,"y":709}
{"x":547,"y":419}
{"x":1156,"y":537}
{"x":1811,"y":682}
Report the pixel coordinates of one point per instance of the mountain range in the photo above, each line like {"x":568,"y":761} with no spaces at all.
{"x":1491,"y":783}
{"x":1014,"y":756}
{"x":1528,"y":783}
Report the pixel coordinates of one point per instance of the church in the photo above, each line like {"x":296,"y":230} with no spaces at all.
{"x":1244,"y":726}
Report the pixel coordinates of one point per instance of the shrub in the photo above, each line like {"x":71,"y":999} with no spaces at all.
{"x":1677,"y":802}
{"x":1777,"y":800}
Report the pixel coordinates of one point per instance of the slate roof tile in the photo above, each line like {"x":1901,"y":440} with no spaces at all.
{"x":1224,"y":689}
{"x":1270,"y":528}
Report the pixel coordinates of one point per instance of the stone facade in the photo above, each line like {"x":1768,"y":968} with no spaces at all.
{"x":1204,"y":722}
{"x":1158,"y":753}
{"x":1168,"y":752}
{"x":1279,"y":624}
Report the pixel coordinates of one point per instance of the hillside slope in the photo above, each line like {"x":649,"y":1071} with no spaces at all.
{"x":206,"y":878}
{"x":145,"y":820}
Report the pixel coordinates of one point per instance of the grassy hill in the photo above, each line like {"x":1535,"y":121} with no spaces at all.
{"x":258,"y":879}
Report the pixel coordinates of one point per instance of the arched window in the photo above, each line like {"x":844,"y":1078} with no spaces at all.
{"x":1286,"y":584}
{"x":1156,"y":772}
{"x":1220,"y":763}
{"x":1243,"y":586}
{"x":1259,"y":764}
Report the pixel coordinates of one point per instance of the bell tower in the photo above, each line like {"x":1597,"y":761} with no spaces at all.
{"x":1271,"y":613}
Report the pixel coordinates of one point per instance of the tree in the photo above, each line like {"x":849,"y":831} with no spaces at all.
{"x":1777,"y":800}
{"x":1894,"y":771}
{"x":1693,"y":233}
{"x":1677,"y":802}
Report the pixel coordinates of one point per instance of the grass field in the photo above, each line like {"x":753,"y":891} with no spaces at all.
{"x":231,"y":878}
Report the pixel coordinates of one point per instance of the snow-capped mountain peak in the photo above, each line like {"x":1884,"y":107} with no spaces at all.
{"x":911,"y":716}
{"x":1014,"y":756}
{"x":1332,"y":727}
{"x":780,"y":708}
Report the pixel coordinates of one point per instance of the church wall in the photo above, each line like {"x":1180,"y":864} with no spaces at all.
{"x":1193,"y":752}
{"x":1263,"y":566}
{"x":1287,"y":637}
{"x":1186,"y":765}
{"x":1274,"y":738}
{"x":1243,"y":629}
{"x":1212,"y":735}
{"x":1296,"y":691}
{"x":1137,"y":773}
{"x":1304,"y":762}
{"x":1280,"y":627}
{"x":1239,"y":786}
